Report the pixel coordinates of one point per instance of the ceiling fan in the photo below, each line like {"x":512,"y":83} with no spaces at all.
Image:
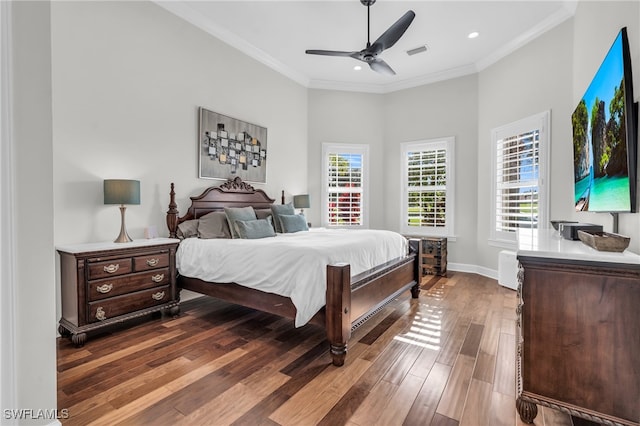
{"x":371,"y":52}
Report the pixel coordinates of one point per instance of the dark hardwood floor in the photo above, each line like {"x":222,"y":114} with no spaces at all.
{"x":447,"y":358}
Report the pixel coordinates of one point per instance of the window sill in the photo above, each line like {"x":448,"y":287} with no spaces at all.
{"x":511,"y":245}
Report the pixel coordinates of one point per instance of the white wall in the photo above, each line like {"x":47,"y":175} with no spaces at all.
{"x":448,"y":108}
{"x":33,"y":171}
{"x":596,"y":26}
{"x":533,"y":79}
{"x":346,"y":117}
{"x":128,"y":78}
{"x":385,"y":121}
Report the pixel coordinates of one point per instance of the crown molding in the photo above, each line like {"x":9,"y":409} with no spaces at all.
{"x":347,"y":86}
{"x":566,"y":12}
{"x":195,"y":18}
{"x":394,"y":87}
{"x":432,"y":78}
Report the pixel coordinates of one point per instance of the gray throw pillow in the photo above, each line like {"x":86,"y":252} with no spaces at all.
{"x":238,"y":213}
{"x":263,"y":213}
{"x":253,"y":229}
{"x":280,"y":209}
{"x":187,"y":229}
{"x":293,"y":223}
{"x":214,"y":225}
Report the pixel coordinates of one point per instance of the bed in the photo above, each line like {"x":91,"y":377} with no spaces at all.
{"x":349,"y":299}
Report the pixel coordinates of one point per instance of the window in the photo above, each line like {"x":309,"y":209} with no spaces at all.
{"x":428,"y":187}
{"x":345,"y":185}
{"x":519,"y":177}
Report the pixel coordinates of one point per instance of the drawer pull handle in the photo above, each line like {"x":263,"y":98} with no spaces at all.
{"x":111,"y":268}
{"x":158,"y":296}
{"x":152,"y":262}
{"x":105,"y":288}
{"x":100,"y":314}
{"x":157,"y":278}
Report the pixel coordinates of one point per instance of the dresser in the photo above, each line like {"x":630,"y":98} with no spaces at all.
{"x":578,"y":330}
{"x":103,"y":284}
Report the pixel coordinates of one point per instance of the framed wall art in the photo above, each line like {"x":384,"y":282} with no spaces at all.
{"x":230,"y":147}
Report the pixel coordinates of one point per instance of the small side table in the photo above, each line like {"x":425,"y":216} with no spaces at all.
{"x":433,"y":255}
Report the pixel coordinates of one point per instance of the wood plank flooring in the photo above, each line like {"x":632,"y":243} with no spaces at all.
{"x":447,"y":358}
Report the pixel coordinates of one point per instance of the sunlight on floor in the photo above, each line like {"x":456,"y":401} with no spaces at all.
{"x":426,"y":329}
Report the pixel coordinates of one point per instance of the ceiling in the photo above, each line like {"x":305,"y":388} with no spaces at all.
{"x":277,"y":33}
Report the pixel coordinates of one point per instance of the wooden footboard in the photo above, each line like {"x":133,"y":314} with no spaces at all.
{"x":351,"y":302}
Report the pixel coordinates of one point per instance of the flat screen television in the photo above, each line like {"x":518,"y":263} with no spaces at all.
{"x":605,"y":137}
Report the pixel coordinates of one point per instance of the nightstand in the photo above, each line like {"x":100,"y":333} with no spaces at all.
{"x":107,"y":283}
{"x":434,"y":255}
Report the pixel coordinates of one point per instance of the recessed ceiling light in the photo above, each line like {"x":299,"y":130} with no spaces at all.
{"x":357,"y":68}
{"x":473,"y":34}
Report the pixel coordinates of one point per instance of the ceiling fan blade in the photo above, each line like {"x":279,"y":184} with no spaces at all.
{"x":393,"y":33}
{"x":378,"y":65}
{"x":330,"y":53}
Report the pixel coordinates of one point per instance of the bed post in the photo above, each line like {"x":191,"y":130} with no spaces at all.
{"x":338,"y":310}
{"x":172,"y":214}
{"x":415,"y":246}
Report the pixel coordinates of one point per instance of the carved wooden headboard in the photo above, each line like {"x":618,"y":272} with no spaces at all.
{"x":232,"y":193}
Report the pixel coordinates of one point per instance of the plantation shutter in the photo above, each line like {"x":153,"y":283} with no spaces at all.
{"x":427,"y":188}
{"x":345,"y":185}
{"x":517,"y":175}
{"x":344,"y":189}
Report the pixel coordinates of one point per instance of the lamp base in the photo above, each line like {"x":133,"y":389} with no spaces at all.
{"x":123,"y":237}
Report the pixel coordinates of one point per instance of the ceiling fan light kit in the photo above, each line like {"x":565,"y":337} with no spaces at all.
{"x":370,"y":54}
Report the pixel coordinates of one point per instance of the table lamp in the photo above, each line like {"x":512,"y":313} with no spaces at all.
{"x":120,"y":191}
{"x":301,"y":202}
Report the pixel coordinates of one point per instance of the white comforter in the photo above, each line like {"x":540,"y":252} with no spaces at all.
{"x":291,"y":265}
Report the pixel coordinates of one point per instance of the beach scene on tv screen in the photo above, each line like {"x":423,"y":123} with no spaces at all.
{"x":601,"y":176}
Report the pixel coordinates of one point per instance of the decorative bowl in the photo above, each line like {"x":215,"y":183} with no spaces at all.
{"x":604,"y":241}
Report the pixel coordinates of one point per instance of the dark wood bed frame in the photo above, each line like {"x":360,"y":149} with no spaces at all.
{"x":350,"y":301}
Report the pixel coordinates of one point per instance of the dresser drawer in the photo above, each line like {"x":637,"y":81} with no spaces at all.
{"x":109,"y":287}
{"x":151,"y":261}
{"x":109,"y":268}
{"x":119,"y":305}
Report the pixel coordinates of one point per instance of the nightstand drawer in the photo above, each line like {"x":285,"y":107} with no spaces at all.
{"x":431,"y":260}
{"x":434,"y":247}
{"x":109,"y":268}
{"x":109,"y":287}
{"x":112,"y":307}
{"x":151,"y":261}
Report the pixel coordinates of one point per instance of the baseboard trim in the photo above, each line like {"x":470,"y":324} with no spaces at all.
{"x":474,"y":269}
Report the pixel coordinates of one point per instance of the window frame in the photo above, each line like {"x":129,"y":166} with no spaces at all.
{"x":542,"y":123}
{"x":8,"y":305}
{"x":448,"y":143}
{"x":346,"y":148}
